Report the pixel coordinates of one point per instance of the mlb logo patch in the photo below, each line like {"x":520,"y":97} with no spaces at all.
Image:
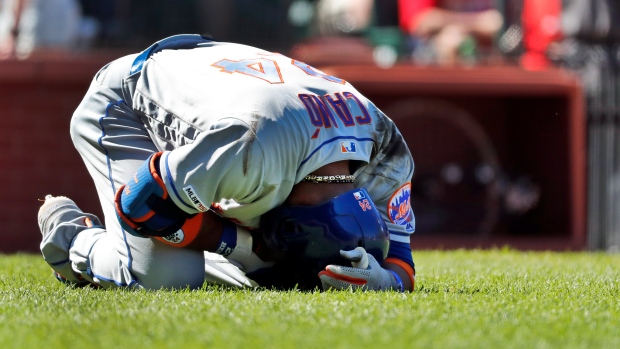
{"x":399,"y":207}
{"x":348,"y":147}
{"x":195,"y":200}
{"x":359,"y":195}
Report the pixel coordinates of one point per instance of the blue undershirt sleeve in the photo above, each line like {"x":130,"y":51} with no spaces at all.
{"x":401,"y":251}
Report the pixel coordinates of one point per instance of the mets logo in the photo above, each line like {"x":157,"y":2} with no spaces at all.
{"x":399,"y":207}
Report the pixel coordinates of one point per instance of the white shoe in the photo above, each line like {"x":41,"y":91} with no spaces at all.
{"x":49,"y":208}
{"x":60,"y":220}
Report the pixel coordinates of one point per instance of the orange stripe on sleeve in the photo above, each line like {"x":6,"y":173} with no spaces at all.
{"x":406,"y":267}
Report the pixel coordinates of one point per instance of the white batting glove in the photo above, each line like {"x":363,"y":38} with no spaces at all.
{"x":243,"y":256}
{"x":365,"y":273}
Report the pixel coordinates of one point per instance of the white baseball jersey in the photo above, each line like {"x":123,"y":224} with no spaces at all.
{"x":243,"y":125}
{"x":240,"y":127}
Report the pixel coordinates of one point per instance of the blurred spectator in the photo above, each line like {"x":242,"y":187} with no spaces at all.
{"x":343,"y":17}
{"x":541,"y":24}
{"x":30,"y":25}
{"x":349,"y":32}
{"x":449,"y":31}
{"x":336,"y":31}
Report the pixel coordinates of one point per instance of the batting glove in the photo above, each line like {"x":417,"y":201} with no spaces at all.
{"x":242,"y":253}
{"x":365,"y":273}
{"x":144,"y":206}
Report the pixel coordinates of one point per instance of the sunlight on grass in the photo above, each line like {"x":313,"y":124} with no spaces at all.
{"x":463,"y":299}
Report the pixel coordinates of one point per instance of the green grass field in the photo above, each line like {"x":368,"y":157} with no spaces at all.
{"x":464,"y":299}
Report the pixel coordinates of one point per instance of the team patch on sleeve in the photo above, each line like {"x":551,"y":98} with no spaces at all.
{"x":399,"y":207}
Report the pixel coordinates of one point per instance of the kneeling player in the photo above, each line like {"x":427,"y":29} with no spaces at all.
{"x":225,"y":163}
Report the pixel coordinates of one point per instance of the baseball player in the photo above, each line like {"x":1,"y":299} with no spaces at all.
{"x":203,"y":153}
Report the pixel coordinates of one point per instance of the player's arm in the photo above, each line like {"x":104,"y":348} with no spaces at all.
{"x":144,"y":208}
{"x":206,"y":231}
{"x":407,"y":275}
{"x":170,"y":195}
{"x":143,"y":204}
{"x":393,"y":188}
{"x":400,"y":261}
{"x":397,"y":272}
{"x":395,"y":206}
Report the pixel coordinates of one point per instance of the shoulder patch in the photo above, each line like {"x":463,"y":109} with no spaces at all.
{"x":399,"y":207}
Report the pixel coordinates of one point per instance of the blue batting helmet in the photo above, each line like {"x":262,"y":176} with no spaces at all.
{"x":312,"y":237}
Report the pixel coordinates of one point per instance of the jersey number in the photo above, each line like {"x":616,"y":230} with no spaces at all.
{"x":268,"y":70}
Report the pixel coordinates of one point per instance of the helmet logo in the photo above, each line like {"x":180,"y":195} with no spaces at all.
{"x":362,"y":201}
{"x":399,"y":207}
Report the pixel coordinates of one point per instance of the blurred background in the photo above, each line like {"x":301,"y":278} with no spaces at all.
{"x":510,"y":107}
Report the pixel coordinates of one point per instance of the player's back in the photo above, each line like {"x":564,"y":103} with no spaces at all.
{"x":298,"y":118}
{"x":289,"y":104}
{"x":219,"y":80}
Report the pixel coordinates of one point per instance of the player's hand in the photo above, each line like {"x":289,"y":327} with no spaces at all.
{"x":144,"y":206}
{"x":365,"y":273}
